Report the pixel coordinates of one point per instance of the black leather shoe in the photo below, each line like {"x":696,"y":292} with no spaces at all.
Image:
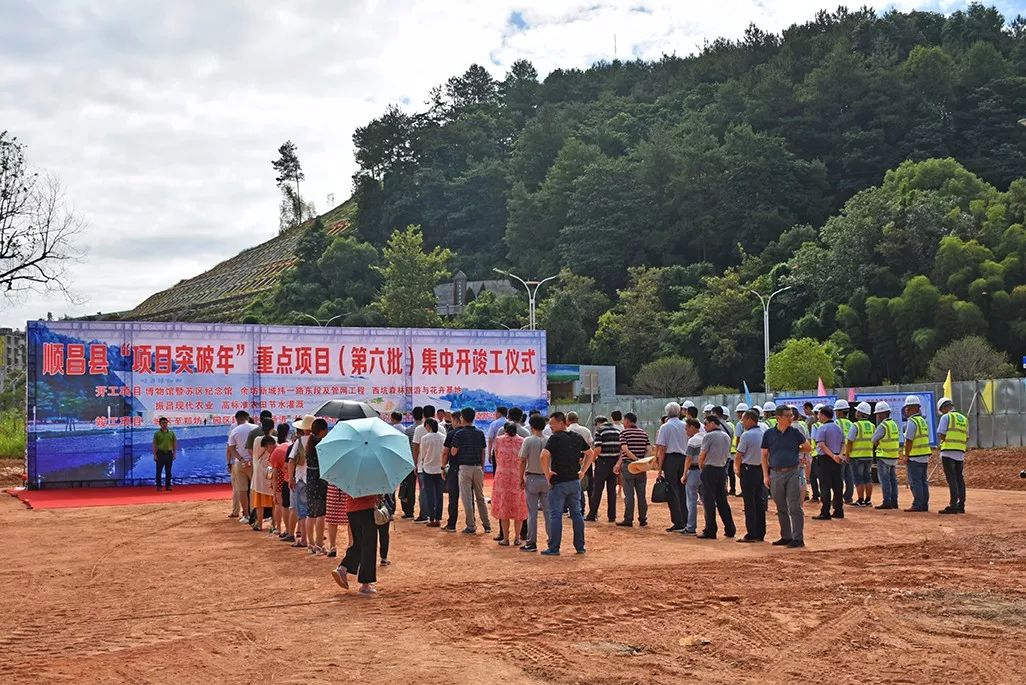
{"x":948,"y":510}
{"x":590,"y":518}
{"x":821,"y":517}
{"x":782,"y":542}
{"x":626,"y":524}
{"x":704,"y":536}
{"x":747,"y":540}
{"x":795,"y":544}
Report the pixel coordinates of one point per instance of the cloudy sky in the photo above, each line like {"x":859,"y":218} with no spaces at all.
{"x":161,"y":119}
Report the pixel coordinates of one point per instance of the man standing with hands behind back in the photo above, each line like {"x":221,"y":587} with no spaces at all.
{"x":164,"y":447}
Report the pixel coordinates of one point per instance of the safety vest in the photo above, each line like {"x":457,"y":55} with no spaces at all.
{"x":887,"y":448}
{"x":771,"y":422}
{"x":737,"y":437}
{"x":845,"y":425}
{"x":862,"y":445}
{"x":920,"y":443}
{"x":813,"y":429}
{"x":957,"y":437}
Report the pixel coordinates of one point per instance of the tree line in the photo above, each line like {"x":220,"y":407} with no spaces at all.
{"x":871,"y":162}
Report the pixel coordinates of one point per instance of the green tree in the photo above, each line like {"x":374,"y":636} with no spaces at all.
{"x":289,"y":170}
{"x":409,"y":276}
{"x":569,"y":314}
{"x":969,"y":359}
{"x":668,"y":377}
{"x":489,"y":310}
{"x":799,"y":365}
{"x":630,"y":333}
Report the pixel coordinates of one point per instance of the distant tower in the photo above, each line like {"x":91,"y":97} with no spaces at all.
{"x":459,"y":289}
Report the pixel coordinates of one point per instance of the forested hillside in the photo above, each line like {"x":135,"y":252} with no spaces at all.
{"x":868,"y":161}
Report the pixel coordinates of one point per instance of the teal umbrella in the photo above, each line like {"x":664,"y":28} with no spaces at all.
{"x":364,"y":457}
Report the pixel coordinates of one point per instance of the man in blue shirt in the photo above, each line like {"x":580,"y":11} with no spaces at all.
{"x":493,"y":429}
{"x":671,"y":444}
{"x":830,"y":445}
{"x":748,"y":466}
{"x":782,"y":446}
{"x":468,"y":448}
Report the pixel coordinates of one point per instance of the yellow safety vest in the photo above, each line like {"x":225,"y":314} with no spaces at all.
{"x":957,"y":437}
{"x":771,"y":422}
{"x":920,"y":443}
{"x":845,"y":425}
{"x":862,"y":445}
{"x":813,"y":429}
{"x":887,"y":448}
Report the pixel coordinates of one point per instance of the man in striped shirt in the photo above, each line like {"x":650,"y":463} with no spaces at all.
{"x":607,"y":439}
{"x":634,"y":445}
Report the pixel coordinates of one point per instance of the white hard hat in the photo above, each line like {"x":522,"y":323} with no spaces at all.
{"x":942,"y":401}
{"x":864,"y":408}
{"x":841,"y":404}
{"x":724,"y":409}
{"x":881,"y":407}
{"x":816,"y":408}
{"x":707,"y":408}
{"x":688,"y":404}
{"x":912,"y":401}
{"x":741,"y":406}
{"x":769,"y":406}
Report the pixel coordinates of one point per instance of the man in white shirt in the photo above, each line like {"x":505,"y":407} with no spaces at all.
{"x":432,"y":442}
{"x":239,"y":465}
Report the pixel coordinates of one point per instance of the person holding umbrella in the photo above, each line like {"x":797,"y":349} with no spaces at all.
{"x":367,"y":459}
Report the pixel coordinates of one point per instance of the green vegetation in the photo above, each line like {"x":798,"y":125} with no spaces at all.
{"x":869,"y":161}
{"x":12,"y":434}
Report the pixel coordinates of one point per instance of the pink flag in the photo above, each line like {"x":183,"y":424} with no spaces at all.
{"x":851,"y":394}
{"x":820,"y":390}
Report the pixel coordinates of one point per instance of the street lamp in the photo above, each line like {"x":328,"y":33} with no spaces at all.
{"x":1022,"y":122}
{"x":319,"y":322}
{"x":765,"y":330}
{"x":532,"y":294}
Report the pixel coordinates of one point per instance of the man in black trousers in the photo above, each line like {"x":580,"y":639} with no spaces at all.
{"x":607,"y":439}
{"x":452,"y":476}
{"x":830,"y":445}
{"x":713,"y":460}
{"x":748,"y":466}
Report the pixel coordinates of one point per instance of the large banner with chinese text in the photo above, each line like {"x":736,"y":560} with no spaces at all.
{"x":96,"y":389}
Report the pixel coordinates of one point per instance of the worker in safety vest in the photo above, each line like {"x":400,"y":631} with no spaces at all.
{"x":887,"y":440}
{"x":917,"y":454}
{"x":841,"y":408}
{"x":953,"y":433}
{"x":813,"y":425}
{"x":769,"y":411}
{"x":859,"y":449}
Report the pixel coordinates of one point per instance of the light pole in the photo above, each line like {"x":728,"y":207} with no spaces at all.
{"x":1022,"y":122}
{"x":765,"y":330}
{"x":532,"y":294}
{"x":320,"y":323}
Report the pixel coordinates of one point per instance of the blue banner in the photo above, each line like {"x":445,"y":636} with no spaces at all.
{"x":896,"y":401}
{"x":800,"y":400}
{"x":97,"y":389}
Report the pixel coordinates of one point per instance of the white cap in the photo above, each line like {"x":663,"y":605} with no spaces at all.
{"x":741,"y":406}
{"x":688,"y":404}
{"x":913,"y":401}
{"x":841,"y":404}
{"x":769,"y":406}
{"x":864,"y":408}
{"x":707,"y":408}
{"x":942,"y":401}
{"x":724,"y":409}
{"x":816,"y":408}
{"x":881,"y":407}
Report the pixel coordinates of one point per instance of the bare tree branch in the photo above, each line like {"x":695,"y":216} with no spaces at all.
{"x":40,"y":235}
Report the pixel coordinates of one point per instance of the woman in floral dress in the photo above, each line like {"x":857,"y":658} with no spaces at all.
{"x":508,"y":502}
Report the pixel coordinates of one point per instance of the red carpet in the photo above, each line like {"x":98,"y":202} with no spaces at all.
{"x":65,"y":498}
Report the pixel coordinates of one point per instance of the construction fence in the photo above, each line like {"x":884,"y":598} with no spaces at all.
{"x":996,"y":408}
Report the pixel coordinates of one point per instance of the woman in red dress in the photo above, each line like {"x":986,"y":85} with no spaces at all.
{"x":508,"y":502}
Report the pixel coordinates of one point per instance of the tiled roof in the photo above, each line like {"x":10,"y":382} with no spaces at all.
{"x":219,"y":294}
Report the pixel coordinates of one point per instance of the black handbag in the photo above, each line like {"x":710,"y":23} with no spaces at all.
{"x":661,"y":490}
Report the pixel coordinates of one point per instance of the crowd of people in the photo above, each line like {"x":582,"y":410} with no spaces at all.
{"x":556,"y":467}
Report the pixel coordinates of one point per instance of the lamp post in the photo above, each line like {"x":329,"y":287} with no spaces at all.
{"x":532,"y":294}
{"x":765,"y":330}
{"x":1022,"y":122}
{"x":323,"y":324}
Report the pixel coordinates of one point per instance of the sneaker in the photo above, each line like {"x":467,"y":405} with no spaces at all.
{"x":625,"y":524}
{"x":447,"y":529}
{"x":420,"y":520}
{"x":341,"y":577}
{"x":643,"y":522}
{"x":487,"y":530}
{"x":289,"y":538}
{"x":386,"y":562}
{"x":688,"y":532}
{"x":590,"y":518}
{"x":674,"y":529}
{"x":550,"y":552}
{"x":244,"y":519}
{"x":529,"y":548}
{"x":582,"y":551}
{"x":470,"y":531}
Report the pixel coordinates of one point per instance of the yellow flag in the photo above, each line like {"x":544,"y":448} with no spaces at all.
{"x":987,"y":396}
{"x":947,"y":386}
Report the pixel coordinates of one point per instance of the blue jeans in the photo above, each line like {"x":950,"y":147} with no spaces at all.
{"x":920,"y":488}
{"x":562,"y":496}
{"x":691,"y":486}
{"x":888,"y":480}
{"x":431,"y":495}
{"x":862,"y":470}
{"x":849,"y":481}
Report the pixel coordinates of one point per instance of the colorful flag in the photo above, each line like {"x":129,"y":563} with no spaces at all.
{"x":947,"y":386}
{"x":748,"y":395}
{"x":821,"y":389}
{"x":987,"y":396}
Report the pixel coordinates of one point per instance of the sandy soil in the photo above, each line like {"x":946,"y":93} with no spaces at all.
{"x":178,"y":593}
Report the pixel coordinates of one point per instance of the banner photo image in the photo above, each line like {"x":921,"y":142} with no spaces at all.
{"x":97,"y":389}
{"x":896,"y":401}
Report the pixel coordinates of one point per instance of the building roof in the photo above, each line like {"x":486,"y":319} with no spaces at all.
{"x":220,"y":293}
{"x":445,"y":293}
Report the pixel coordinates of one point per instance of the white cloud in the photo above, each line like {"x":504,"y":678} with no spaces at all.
{"x":162,"y":118}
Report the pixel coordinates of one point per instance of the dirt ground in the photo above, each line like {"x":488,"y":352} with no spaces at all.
{"x":179,"y":593}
